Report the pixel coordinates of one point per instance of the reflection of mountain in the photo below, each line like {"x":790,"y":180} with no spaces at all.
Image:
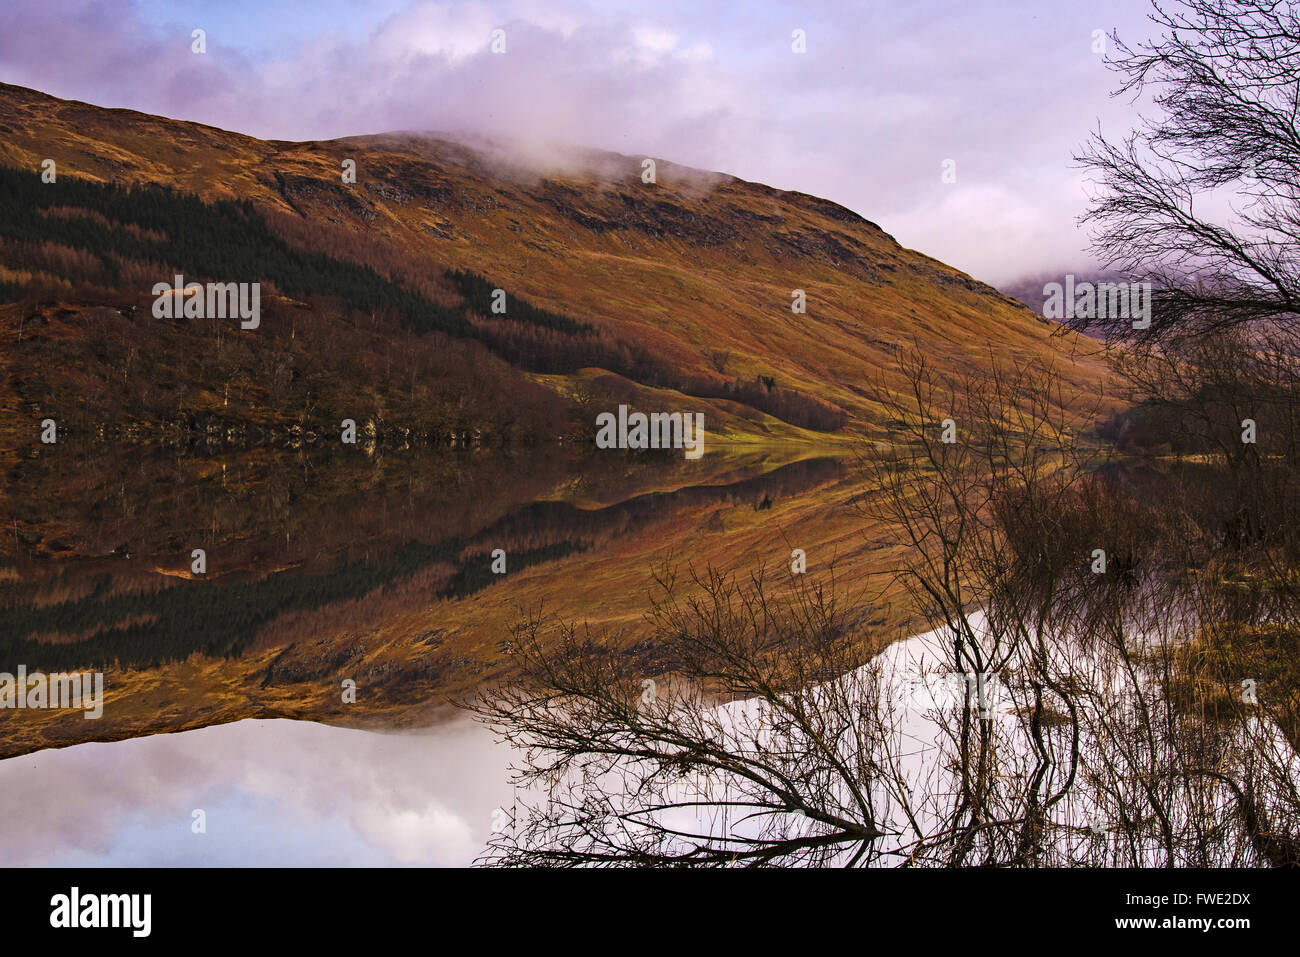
{"x":407,"y":548}
{"x":127,"y":617}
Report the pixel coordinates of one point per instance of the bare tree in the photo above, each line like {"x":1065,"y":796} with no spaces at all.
{"x":1093,"y":720}
{"x":1123,"y":632}
{"x":1224,"y":77}
{"x":626,"y":770}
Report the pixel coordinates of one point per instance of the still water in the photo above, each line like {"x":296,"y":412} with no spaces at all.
{"x":319,"y":570}
{"x":271,"y":792}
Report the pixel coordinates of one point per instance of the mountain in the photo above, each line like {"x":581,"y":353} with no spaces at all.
{"x":685,"y":284}
{"x":1030,"y":290}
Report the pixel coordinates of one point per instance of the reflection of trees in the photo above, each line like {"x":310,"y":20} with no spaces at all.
{"x":1118,"y":733}
{"x":1144,"y":624}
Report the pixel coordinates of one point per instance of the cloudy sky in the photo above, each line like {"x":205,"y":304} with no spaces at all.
{"x":867,"y":116}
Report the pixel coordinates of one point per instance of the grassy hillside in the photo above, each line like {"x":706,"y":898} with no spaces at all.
{"x":683,"y":284}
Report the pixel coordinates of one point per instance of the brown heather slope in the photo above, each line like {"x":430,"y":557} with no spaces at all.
{"x":694,"y":264}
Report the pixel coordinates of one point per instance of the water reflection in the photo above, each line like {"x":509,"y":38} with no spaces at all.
{"x":326,"y":567}
{"x":274,"y":793}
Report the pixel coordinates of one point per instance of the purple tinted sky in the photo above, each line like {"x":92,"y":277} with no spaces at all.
{"x":884,"y":94}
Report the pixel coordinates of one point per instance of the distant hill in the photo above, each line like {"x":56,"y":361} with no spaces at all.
{"x":1029,"y":289}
